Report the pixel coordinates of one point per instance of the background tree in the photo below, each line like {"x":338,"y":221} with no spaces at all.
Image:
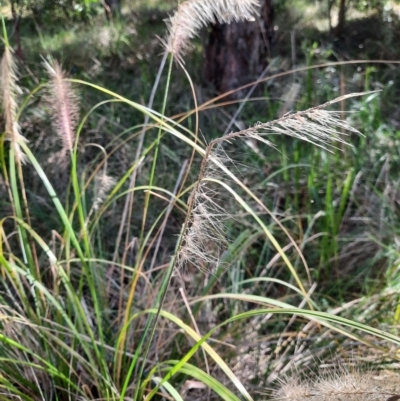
{"x":344,"y":5}
{"x":237,"y":53}
{"x":112,"y":7}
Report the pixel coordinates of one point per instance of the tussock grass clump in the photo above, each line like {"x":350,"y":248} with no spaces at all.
{"x":79,"y":321}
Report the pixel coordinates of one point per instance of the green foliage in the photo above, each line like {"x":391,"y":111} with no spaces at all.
{"x":57,"y":9}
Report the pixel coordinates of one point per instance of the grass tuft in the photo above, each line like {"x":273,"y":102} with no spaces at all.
{"x":92,"y":269}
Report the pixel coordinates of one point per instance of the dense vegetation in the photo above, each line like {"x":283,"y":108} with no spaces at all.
{"x":159,"y":239}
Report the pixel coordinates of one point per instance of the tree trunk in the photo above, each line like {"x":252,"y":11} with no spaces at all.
{"x":237,"y":53}
{"x":330,"y":6}
{"x":16,"y":26}
{"x":341,"y":18}
{"x":112,"y":7}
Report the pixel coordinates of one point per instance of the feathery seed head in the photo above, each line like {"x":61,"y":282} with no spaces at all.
{"x":316,"y":125}
{"x":340,"y":384}
{"x":104,"y":184}
{"x":10,"y":90}
{"x":64,"y":106}
{"x":205,"y":223}
{"x":192,"y":15}
{"x":204,"y":239}
{"x":292,"y":389}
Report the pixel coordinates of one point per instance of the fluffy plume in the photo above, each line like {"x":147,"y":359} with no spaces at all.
{"x":192,"y":15}
{"x":64,"y":104}
{"x":104,"y":183}
{"x":341,"y":384}
{"x":204,"y":240}
{"x":9,"y":90}
{"x":316,"y":125}
{"x":204,"y":224}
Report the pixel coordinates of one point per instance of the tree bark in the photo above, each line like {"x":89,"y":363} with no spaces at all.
{"x":16,"y":26}
{"x":338,"y":30}
{"x":341,"y":18}
{"x":236,"y":53}
{"x":112,"y":8}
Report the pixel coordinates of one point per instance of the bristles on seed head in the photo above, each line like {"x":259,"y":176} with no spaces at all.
{"x":292,"y":389}
{"x":10,"y":89}
{"x":64,"y":105}
{"x":204,"y":240}
{"x":339,"y":383}
{"x":104,"y":184}
{"x":192,"y":15}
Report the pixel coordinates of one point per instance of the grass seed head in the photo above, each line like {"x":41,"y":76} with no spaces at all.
{"x":339,"y":383}
{"x":192,"y":15}
{"x":64,"y":105}
{"x":10,"y":90}
{"x":204,"y":240}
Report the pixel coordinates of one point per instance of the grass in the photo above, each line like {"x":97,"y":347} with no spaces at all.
{"x":141,"y":259}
